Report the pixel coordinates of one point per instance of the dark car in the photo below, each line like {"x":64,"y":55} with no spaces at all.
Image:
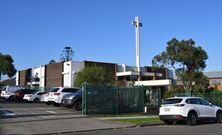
{"x":19,"y":94}
{"x":73,"y":100}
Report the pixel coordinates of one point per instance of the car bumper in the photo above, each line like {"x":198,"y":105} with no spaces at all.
{"x":7,"y":96}
{"x":67,"y":102}
{"x":27,"y":99}
{"x":172,"y":118}
{"x":44,"y":99}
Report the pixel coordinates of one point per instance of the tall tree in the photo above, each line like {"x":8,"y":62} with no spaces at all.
{"x":6,"y":66}
{"x":67,"y":53}
{"x":94,"y":75}
{"x":185,"y":58}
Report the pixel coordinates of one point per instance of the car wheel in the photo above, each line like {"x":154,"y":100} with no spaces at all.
{"x":36,"y":100}
{"x":219,"y":117}
{"x":48,"y":103}
{"x":69,"y":106}
{"x":56,"y":104}
{"x":192,"y":119}
{"x":11,"y":98}
{"x":78,"y":106}
{"x":168,"y":122}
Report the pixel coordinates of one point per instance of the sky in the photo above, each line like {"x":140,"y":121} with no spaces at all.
{"x":35,"y":31}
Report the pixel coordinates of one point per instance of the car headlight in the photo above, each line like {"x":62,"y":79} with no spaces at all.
{"x":71,"y":97}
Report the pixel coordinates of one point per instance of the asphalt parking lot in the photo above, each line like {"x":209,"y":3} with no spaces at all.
{"x":202,"y":129}
{"x":38,"y":118}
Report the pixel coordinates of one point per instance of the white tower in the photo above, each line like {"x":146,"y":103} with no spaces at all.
{"x":137,"y":24}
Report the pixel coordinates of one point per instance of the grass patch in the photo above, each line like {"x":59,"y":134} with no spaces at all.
{"x":116,"y":115}
{"x":139,"y":121}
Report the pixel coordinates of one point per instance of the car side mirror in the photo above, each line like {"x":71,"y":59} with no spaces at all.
{"x":210,"y":104}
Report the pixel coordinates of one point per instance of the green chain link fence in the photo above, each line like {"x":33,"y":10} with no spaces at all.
{"x":43,"y":89}
{"x":213,"y":97}
{"x":112,"y":100}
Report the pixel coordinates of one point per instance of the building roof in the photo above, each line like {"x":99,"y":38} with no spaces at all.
{"x":214,"y":74}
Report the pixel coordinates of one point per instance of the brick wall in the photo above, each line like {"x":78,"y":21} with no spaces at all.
{"x":24,"y":77}
{"x":53,"y":75}
{"x":158,"y":70}
{"x":110,"y":67}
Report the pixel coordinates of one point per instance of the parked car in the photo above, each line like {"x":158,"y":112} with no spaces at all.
{"x":189,"y":109}
{"x":55,"y":96}
{"x":19,"y":94}
{"x":8,"y":92}
{"x":73,"y":100}
{"x":33,"y":97}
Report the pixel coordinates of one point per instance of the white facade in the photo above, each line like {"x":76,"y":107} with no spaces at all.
{"x":70,"y":69}
{"x":38,"y":72}
{"x":42,"y":76}
{"x":17,"y":79}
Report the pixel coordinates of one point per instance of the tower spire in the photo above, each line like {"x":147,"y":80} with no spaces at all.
{"x":137,"y":24}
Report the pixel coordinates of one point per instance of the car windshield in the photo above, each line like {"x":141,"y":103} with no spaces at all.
{"x":172,"y":101}
{"x":79,"y":91}
{"x":4,"y":89}
{"x":17,"y":91}
{"x":34,"y":92}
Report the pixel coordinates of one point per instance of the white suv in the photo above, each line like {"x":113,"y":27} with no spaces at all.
{"x":189,"y":109}
{"x":56,"y":94}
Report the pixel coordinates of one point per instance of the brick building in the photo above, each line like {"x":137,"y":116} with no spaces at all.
{"x":64,"y":74}
{"x":215,"y":79}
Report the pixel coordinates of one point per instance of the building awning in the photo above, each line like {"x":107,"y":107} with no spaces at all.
{"x":133,"y":73}
{"x":165,"y":82}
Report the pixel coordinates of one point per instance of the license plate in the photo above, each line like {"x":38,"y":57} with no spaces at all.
{"x":166,"y":109}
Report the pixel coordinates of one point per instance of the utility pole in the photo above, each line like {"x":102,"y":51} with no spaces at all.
{"x":137,"y":24}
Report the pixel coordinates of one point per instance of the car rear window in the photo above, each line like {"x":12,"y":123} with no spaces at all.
{"x":54,"y":89}
{"x":41,"y":93}
{"x":172,"y":101}
{"x":70,"y":90}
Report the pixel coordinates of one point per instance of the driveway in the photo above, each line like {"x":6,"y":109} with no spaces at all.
{"x":36,"y":118}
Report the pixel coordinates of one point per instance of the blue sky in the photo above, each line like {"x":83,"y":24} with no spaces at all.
{"x":36,"y":31}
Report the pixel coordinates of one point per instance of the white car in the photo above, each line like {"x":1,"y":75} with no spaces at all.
{"x":33,"y":97}
{"x":44,"y":98}
{"x":8,"y":92}
{"x":189,"y":109}
{"x":55,"y":96}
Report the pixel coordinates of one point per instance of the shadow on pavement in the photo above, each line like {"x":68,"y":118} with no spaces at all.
{"x":4,"y":114}
{"x":198,"y":124}
{"x":38,"y":120}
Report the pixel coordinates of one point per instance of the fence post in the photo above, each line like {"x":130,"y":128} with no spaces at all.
{"x":159,"y":97}
{"x":84,"y":97}
{"x":141,"y":90}
{"x":117,"y":99}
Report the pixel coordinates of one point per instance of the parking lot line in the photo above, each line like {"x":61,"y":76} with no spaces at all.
{"x":52,"y":112}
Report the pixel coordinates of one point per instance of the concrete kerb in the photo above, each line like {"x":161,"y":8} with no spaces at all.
{"x":150,"y":124}
{"x":82,"y":131}
{"x":136,"y":117}
{"x":126,"y":117}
